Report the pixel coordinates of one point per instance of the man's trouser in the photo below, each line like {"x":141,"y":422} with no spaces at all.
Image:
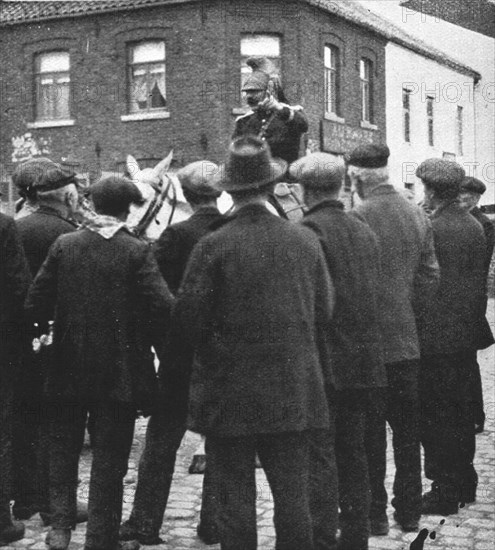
{"x":401,"y":410}
{"x":447,"y":425}
{"x":112,"y":435}
{"x":284,"y":458}
{"x":156,"y":469}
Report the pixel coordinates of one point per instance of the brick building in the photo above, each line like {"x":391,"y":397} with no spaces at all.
{"x":87,"y":82}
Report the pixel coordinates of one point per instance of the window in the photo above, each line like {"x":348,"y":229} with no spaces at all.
{"x":406,"y":114}
{"x":366,"y":77}
{"x":259,"y":45}
{"x":460,"y":130}
{"x":147,"y":77}
{"x":332,"y":80}
{"x":429,"y":119}
{"x":52,"y":81}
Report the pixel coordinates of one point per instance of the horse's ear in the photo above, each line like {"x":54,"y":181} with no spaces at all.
{"x":132,"y":166}
{"x":162,"y":167}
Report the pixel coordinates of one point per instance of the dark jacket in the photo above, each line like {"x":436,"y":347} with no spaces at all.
{"x":485,"y":333}
{"x":172,"y":251}
{"x":283,"y":133}
{"x":353,"y":260}
{"x":256,"y":302}
{"x":110,"y":305}
{"x":450,"y":322}
{"x":14,"y":283}
{"x":39,"y":231}
{"x":410,"y":270}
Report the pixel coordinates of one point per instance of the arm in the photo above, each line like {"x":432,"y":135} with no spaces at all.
{"x":427,"y":276}
{"x":295,"y":117}
{"x":194,"y":308}
{"x":167,"y":254}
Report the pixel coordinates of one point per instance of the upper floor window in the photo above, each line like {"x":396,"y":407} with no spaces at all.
{"x":52,"y":81}
{"x":406,"y":114}
{"x":260,"y":45}
{"x":460,"y":130}
{"x":366,"y":77}
{"x":429,"y":119}
{"x":332,"y":80}
{"x":146,"y":75}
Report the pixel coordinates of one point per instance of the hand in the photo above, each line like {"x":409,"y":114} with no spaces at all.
{"x":269,"y":104}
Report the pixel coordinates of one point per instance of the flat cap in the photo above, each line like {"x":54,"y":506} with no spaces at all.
{"x":115,"y":194}
{"x":436,"y":171}
{"x":42,"y":174}
{"x":369,"y":155}
{"x":474,"y":185}
{"x":318,"y":170}
{"x":200,"y":178}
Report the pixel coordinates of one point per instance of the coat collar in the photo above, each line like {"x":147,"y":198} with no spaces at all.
{"x":49,"y":211}
{"x":326,"y":203}
{"x":206,"y":212}
{"x":386,"y":189}
{"x":448,"y":206}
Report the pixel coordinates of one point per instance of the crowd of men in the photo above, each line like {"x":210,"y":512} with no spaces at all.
{"x":292,"y":342}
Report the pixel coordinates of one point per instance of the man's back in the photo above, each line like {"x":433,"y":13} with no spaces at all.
{"x":254,"y":295}
{"x":352,"y":255}
{"x":110,"y":304}
{"x":409,"y":268}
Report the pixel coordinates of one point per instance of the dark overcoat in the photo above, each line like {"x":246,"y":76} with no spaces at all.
{"x":256,"y":302}
{"x":110,"y":305}
{"x":283,"y":131}
{"x":39,"y":231}
{"x":410,"y":270}
{"x":353,"y":259}
{"x":172,"y":251}
{"x":14,"y":283}
{"x":451,"y":321}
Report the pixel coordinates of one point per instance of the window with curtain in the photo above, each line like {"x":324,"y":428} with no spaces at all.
{"x":146,"y":75}
{"x":366,"y":77}
{"x":259,"y":45}
{"x":332,"y":80}
{"x":52,"y":83}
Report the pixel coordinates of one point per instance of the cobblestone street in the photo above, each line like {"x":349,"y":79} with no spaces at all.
{"x":472,"y":529}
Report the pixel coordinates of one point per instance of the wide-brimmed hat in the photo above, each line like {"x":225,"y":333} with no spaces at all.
{"x":42,"y":174}
{"x":115,"y":193}
{"x":200,"y":178}
{"x":250,"y":165}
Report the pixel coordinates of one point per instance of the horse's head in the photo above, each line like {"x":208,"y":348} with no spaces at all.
{"x":164,"y":201}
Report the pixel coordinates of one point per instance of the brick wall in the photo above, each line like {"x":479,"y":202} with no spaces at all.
{"x":202,"y":72}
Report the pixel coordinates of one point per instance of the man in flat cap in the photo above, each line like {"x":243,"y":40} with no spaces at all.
{"x":110,"y":305}
{"x":255,"y":304}
{"x":53,"y":190}
{"x":448,"y":326}
{"x":409,"y":275}
{"x":14,"y":282}
{"x":471,"y":191}
{"x":167,"y":427}
{"x":355,"y":350}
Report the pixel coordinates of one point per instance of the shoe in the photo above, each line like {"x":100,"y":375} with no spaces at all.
{"x":379,"y":526}
{"x":198,"y":464}
{"x":12,"y":532}
{"x":129,"y":532}
{"x":58,"y":539}
{"x":208,"y":534}
{"x":81,"y":515}
{"x":24,"y":512}
{"x":408,"y":525}
{"x":432,"y":504}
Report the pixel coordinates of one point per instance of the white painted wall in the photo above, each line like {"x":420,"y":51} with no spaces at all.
{"x":425,"y":77}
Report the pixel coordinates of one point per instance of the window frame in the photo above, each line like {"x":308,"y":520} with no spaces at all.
{"x":366,"y":89}
{"x":460,"y":130}
{"x":133,"y":111}
{"x":430,"y":120}
{"x":42,"y":100}
{"x":332,"y":79}
{"x":406,"y":114}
